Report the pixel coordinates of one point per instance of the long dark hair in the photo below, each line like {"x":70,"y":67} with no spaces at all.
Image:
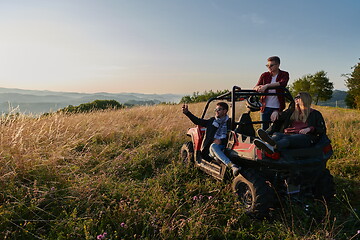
{"x":302,"y":110}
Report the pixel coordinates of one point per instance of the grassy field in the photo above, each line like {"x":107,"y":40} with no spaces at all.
{"x":117,"y":175}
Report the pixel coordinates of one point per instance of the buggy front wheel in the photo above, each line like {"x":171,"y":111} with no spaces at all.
{"x":254,"y":193}
{"x":187,"y":153}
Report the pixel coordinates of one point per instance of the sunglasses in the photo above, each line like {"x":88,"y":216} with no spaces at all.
{"x":297,"y":97}
{"x":218,"y":109}
{"x":270,"y":65}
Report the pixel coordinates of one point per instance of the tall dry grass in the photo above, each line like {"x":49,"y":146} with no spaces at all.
{"x":26,"y":142}
{"x":77,"y":175}
{"x":67,"y":158}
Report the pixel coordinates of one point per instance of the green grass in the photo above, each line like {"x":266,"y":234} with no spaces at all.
{"x":78,"y":176}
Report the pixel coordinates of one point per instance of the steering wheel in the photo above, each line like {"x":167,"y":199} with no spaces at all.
{"x":253,"y":103}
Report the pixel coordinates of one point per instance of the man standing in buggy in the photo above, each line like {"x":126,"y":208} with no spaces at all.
{"x":272,"y":105}
{"x":216,"y":134}
{"x":296,"y":128}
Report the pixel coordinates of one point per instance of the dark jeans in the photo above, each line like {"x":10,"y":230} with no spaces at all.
{"x":291,"y":140}
{"x":265,"y":116}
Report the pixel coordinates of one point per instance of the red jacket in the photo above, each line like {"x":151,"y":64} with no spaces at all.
{"x":282,"y":78}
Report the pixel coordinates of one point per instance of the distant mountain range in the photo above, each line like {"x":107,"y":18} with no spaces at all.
{"x":37,"y":102}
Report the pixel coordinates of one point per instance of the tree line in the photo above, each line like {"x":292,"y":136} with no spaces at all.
{"x":321,"y":89}
{"x":92,"y":106}
{"x":352,"y":82}
{"x":318,"y":85}
{"x":197,"y":97}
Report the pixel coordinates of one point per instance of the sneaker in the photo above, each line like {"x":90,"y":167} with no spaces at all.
{"x":265,"y":137}
{"x":264,"y":146}
{"x":235,"y":169}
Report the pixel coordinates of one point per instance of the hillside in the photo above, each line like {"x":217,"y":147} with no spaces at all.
{"x":78,"y":176}
{"x":337,"y":100}
{"x":35,"y":101}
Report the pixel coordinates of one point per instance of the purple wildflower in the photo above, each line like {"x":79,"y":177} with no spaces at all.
{"x":210,"y":197}
{"x":122,"y":224}
{"x":101,"y":236}
{"x":195,"y":198}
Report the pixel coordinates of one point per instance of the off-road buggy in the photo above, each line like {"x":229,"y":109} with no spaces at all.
{"x":264,"y":178}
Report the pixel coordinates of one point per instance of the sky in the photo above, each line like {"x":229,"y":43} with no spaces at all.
{"x":172,"y":46}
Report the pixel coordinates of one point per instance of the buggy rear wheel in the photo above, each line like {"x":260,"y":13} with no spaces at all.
{"x":254,"y":193}
{"x":187,"y":153}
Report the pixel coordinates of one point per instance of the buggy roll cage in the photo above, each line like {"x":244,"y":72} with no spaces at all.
{"x":238,"y":94}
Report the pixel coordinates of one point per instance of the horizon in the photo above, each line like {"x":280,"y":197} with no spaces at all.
{"x":21,"y":89}
{"x":343,"y":90}
{"x":151,"y":48}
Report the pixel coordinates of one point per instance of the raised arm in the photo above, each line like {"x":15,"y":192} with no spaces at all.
{"x":192,"y":117}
